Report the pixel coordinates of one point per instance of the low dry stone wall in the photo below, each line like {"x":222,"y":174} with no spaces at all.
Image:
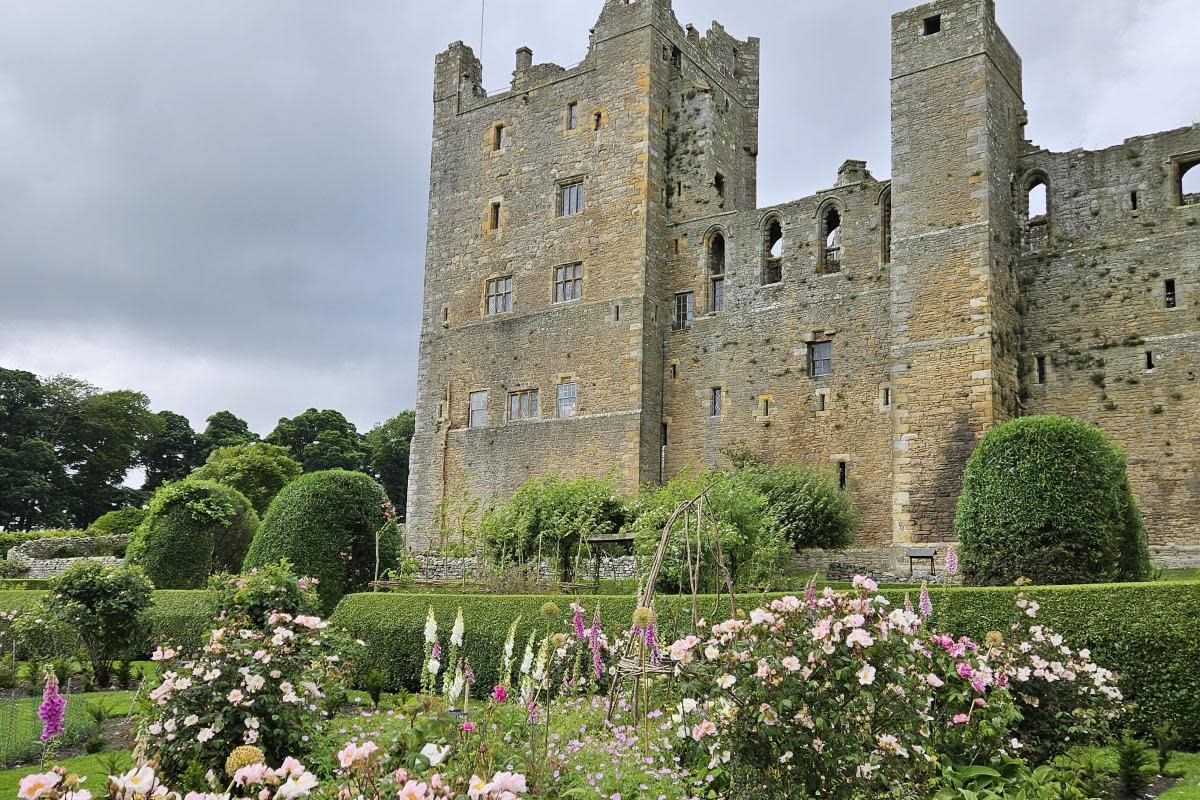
{"x":35,"y":559}
{"x":434,"y":567}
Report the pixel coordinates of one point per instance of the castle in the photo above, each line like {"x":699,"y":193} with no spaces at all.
{"x":602,"y":296}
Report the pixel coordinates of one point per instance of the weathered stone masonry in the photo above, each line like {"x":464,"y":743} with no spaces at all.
{"x":942,"y":308}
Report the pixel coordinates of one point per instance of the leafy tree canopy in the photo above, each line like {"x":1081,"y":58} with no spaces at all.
{"x":258,"y":470}
{"x":387,"y":447}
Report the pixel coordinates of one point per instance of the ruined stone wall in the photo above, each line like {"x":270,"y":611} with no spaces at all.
{"x":756,"y":349}
{"x":1095,"y":303}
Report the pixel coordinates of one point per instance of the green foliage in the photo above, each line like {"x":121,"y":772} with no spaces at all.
{"x":387,"y":448}
{"x":104,"y":606}
{"x":751,"y":541}
{"x":171,"y":452}
{"x":330,"y":525}
{"x":226,"y":429}
{"x":321,"y":440}
{"x":193,"y":529}
{"x":1134,"y":762}
{"x":808,"y":507}
{"x":549,"y":518}
{"x":258,"y":470}
{"x":1046,"y":498}
{"x":121,"y":522}
{"x":262,"y":591}
{"x":1166,"y":739}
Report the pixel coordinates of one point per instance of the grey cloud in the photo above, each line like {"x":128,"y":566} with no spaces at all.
{"x":223,"y":203}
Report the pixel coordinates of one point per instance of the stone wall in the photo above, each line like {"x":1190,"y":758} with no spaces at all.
{"x":34,"y":559}
{"x":436,"y":567}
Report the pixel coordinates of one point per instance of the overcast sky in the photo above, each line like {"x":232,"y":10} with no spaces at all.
{"x":222,"y":203}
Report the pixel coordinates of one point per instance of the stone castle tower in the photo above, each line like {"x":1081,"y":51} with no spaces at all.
{"x":603,"y":297}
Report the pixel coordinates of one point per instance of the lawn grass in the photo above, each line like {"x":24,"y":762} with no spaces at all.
{"x":1177,"y":575}
{"x":21,"y":729}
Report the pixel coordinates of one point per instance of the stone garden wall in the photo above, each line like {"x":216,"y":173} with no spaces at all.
{"x":38,"y":559}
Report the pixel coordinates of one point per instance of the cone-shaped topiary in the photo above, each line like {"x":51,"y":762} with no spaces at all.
{"x":193,"y":529}
{"x":330,"y":525}
{"x":1046,"y":498}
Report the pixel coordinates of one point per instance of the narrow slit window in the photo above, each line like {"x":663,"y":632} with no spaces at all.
{"x":821,"y":401}
{"x":1133,"y":200}
{"x":494,"y":216}
{"x":716,"y":397}
{"x":597,"y":121}
{"x":887,"y":396}
{"x":841,"y":474}
{"x":572,"y":116}
{"x":764,"y":406}
{"x":1169,"y":292}
{"x":1041,"y":369}
{"x":1149,"y":359}
{"x":885,"y":227}
{"x":719,"y":185}
{"x":1036,"y":217}
{"x":499,"y":137}
{"x":772,"y":268}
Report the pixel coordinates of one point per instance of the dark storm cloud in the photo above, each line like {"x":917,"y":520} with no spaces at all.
{"x":223,"y":203}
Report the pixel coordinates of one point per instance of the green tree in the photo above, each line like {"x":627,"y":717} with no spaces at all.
{"x":172,"y":452}
{"x":751,"y":542}
{"x":321,"y":440}
{"x":548,"y":518}
{"x":387,"y":447}
{"x":226,"y":429}
{"x":193,"y":529}
{"x":1046,"y":498}
{"x":257,"y":470}
{"x":122,"y":522}
{"x":809,"y":508}
{"x":330,"y":525}
{"x":33,"y":479}
{"x":104,"y":606}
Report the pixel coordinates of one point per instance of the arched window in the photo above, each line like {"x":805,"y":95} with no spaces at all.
{"x":716,"y":272}
{"x":830,"y":258}
{"x":885,"y":226}
{"x":772,"y":266}
{"x":1035,"y":211}
{"x":1189,"y":183}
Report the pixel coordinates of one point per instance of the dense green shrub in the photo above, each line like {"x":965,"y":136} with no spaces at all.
{"x":121,"y":522}
{"x":1046,"y":498}
{"x":192,"y":530}
{"x":331,"y":526}
{"x":104,"y":605}
{"x":548,"y":518}
{"x":751,"y":542}
{"x":257,"y":470}
{"x":264,"y":591}
{"x":808,"y":507}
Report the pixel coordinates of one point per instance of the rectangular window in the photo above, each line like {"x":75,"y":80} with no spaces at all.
{"x":887,"y":396}
{"x":719,"y":184}
{"x":499,"y":137}
{"x":565,"y":400}
{"x":1169,"y":292}
{"x":673,"y":371}
{"x":718,"y":294}
{"x":477,"y":416}
{"x":764,"y":406}
{"x":841,"y":474}
{"x":1133,"y":200}
{"x":820,"y":358}
{"x":1041,"y":369}
{"x":676,"y":57}
{"x":715,"y":403}
{"x":572,"y":116}
{"x":568,"y":283}
{"x":570,"y":198}
{"x":1149,"y":360}
{"x":821,"y":401}
{"x":494,"y":217}
{"x":499,"y":295}
{"x":683,"y":310}
{"x":932,"y":25}
{"x":597,"y":120}
{"x":523,"y":404}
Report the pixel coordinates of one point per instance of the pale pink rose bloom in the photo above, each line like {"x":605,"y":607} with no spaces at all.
{"x":34,"y":786}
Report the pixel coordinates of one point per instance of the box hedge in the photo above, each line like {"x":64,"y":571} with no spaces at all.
{"x":1148,"y":633}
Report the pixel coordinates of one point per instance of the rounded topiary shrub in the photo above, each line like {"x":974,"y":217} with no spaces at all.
{"x":193,"y":529}
{"x":330,"y":525}
{"x":1046,"y":498}
{"x":121,"y":522}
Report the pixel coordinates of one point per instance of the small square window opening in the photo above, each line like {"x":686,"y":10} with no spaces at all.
{"x":931,"y":25}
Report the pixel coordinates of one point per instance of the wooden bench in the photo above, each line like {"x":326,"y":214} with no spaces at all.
{"x":921,"y":554}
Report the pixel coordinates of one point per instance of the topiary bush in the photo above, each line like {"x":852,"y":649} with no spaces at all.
{"x":1046,"y":498}
{"x":331,"y":526}
{"x":121,"y":522}
{"x":548,"y":518}
{"x":808,"y":507}
{"x":193,"y":529}
{"x":257,"y":470}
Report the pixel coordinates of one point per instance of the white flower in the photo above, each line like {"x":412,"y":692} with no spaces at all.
{"x":204,"y":735}
{"x":430,"y":628}
{"x":456,"y":633}
{"x":866,"y":675}
{"x":726,"y":681}
{"x":434,"y":665}
{"x":138,"y":780}
{"x":255,"y":682}
{"x":434,"y":754}
{"x":190,"y":720}
{"x":689,"y":705}
{"x":297,"y":785}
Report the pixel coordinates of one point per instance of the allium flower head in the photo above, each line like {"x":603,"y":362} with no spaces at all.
{"x":243,"y":756}
{"x":644,"y":617}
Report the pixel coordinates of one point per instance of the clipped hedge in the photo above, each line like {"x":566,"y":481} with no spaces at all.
{"x":1145,"y":632}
